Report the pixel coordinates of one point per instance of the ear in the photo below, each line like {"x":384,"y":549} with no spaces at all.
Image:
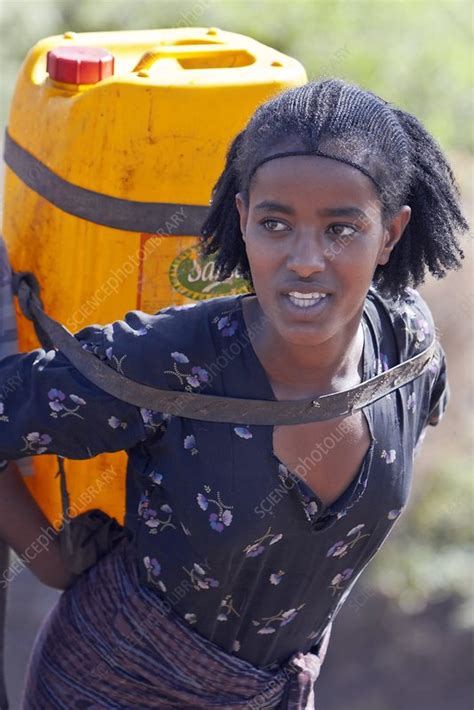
{"x":393,"y":233}
{"x":243,"y":211}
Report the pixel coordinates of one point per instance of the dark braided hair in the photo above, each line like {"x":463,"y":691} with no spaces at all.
{"x":391,"y":145}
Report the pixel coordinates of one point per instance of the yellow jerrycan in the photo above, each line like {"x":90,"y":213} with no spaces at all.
{"x":113,"y":144}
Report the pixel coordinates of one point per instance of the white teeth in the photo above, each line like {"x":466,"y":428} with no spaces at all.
{"x":305,"y":300}
{"x":297,"y":294}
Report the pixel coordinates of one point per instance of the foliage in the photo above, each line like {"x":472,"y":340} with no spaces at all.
{"x":430,"y":554}
{"x":414,"y":53}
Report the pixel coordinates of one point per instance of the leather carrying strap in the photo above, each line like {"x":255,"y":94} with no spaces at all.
{"x":209,"y":407}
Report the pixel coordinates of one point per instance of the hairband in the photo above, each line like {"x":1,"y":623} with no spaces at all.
{"x":315,"y":152}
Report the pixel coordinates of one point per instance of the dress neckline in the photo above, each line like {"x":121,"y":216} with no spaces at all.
{"x":319,"y":515}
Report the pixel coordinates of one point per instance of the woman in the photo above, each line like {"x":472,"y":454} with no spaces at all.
{"x":248,"y":539}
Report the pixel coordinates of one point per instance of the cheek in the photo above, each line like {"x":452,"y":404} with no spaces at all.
{"x":262,"y":256}
{"x":353,"y":255}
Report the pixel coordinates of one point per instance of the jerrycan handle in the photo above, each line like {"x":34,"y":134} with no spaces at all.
{"x":223,"y":55}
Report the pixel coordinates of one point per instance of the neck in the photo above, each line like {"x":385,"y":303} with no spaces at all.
{"x":327,"y":367}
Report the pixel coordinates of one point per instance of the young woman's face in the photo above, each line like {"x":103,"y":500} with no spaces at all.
{"x":314,"y":237}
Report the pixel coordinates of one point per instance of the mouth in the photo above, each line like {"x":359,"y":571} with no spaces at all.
{"x":307,"y":304}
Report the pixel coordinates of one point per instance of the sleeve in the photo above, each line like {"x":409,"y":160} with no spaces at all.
{"x":48,"y":407}
{"x":8,"y":329}
{"x":439,"y":396}
{"x":414,"y":329}
{"x":440,"y":391}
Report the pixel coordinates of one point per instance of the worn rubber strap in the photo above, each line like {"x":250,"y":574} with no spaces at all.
{"x":215,"y":408}
{"x":129,"y":215}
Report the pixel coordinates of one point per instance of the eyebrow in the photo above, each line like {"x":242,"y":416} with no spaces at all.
{"x":328,"y":212}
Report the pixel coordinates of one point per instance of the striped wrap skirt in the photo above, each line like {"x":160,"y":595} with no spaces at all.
{"x":112,"y":644}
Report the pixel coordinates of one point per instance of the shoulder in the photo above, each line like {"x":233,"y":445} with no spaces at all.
{"x":139,"y":343}
{"x":411,"y":322}
{"x":408,"y":316}
{"x":199,"y":310}
{"x":193,"y":325}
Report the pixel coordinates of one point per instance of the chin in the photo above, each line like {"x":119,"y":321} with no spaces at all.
{"x":305,"y":335}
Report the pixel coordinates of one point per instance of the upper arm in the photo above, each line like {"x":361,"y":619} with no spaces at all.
{"x":439,"y":389}
{"x":47,"y":406}
{"x":414,"y":330}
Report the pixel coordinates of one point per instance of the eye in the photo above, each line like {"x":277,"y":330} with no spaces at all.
{"x":273,"y":225}
{"x":340,"y":230}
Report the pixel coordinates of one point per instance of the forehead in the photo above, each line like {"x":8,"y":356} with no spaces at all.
{"x":298,"y":178}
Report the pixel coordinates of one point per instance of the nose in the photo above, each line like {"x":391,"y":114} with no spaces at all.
{"x":307,"y":255}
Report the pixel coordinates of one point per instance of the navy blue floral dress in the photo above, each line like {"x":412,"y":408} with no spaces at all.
{"x":243,"y":549}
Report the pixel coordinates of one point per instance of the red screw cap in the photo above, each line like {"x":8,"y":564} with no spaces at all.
{"x":79,"y":65}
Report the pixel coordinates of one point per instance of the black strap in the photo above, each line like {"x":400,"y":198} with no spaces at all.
{"x":209,"y":407}
{"x":166,"y":218}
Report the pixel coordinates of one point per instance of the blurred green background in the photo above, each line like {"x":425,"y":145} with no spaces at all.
{"x":412,"y":609}
{"x":412,"y":52}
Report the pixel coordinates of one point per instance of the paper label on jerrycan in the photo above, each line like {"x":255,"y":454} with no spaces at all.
{"x":172,"y":272}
